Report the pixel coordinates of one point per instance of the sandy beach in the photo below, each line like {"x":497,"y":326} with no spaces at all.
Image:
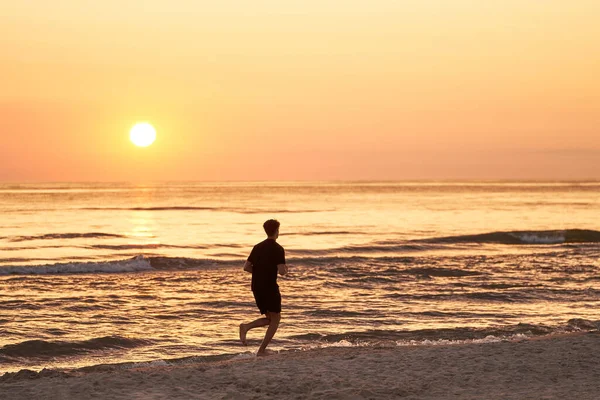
{"x":553,"y":367}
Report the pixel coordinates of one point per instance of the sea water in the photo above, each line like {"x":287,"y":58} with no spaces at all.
{"x":127,"y":273}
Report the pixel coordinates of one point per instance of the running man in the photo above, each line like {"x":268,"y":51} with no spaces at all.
{"x":265,"y":261}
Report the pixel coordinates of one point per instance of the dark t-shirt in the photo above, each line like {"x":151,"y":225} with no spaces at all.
{"x":265,"y":257}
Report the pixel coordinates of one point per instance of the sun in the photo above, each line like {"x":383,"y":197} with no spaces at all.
{"x":142,"y":134}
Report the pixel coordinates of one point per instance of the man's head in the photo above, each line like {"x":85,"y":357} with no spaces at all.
{"x":272,"y":228}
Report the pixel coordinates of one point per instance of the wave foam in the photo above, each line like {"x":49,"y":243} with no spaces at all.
{"x":449,"y":342}
{"x":523,"y":237}
{"x":449,"y":335}
{"x":138,"y":263}
{"x":135,"y":264}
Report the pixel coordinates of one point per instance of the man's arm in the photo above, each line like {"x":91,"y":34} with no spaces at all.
{"x":248,"y":267}
{"x":282,"y":269}
{"x":250,"y":261}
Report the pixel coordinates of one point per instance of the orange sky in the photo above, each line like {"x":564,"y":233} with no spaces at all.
{"x":241,"y":90}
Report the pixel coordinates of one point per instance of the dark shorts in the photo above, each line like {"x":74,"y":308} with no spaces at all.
{"x":268,"y":300}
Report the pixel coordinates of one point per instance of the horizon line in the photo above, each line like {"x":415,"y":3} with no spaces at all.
{"x":422,"y":180}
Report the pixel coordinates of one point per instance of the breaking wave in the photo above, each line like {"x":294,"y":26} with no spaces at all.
{"x":523,"y":237}
{"x":51,"y":349}
{"x":138,"y":263}
{"x":391,"y":252}
{"x":135,"y":264}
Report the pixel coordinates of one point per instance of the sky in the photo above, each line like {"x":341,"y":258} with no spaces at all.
{"x":300,"y":90}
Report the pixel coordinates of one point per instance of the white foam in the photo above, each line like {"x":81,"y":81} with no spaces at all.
{"x":136,"y":264}
{"x":446,"y":342}
{"x":144,"y":364}
{"x":534,"y":238}
{"x":341,"y":343}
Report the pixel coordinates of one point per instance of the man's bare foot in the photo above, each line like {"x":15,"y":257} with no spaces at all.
{"x":243,"y":331}
{"x":263,"y":353}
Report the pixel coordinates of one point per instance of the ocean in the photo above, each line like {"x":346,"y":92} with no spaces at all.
{"x":97,"y":273}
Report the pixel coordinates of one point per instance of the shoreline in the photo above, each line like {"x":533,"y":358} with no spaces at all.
{"x":249,"y":353}
{"x":552,"y":366}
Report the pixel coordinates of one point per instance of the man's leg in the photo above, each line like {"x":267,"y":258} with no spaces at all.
{"x":274,"y":319}
{"x":244,"y":328}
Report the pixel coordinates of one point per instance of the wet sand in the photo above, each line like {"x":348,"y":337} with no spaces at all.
{"x":552,"y":367}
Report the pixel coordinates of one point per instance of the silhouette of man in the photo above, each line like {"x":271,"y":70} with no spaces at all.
{"x":265,"y":261}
